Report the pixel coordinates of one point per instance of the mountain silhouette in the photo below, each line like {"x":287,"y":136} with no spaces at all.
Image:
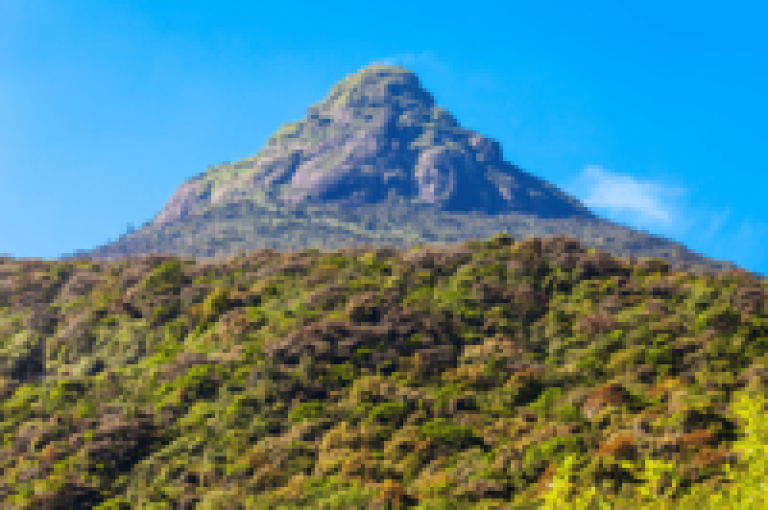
{"x":377,"y":163}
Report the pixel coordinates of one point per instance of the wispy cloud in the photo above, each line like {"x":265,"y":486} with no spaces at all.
{"x":647,"y":201}
{"x":660,"y":208}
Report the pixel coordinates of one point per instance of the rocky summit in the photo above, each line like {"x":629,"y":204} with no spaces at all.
{"x":379,"y":132}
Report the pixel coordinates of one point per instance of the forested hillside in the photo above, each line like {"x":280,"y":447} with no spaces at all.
{"x":487,"y":374}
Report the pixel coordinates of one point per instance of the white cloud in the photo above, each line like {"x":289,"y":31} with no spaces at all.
{"x":621,"y":194}
{"x":657,"y":207}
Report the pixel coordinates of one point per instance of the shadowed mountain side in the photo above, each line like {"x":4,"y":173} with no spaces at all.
{"x":222,"y":231}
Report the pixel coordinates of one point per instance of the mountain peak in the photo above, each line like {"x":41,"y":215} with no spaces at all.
{"x":377,"y":85}
{"x":377,"y":132}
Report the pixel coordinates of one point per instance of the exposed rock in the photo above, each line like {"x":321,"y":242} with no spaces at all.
{"x":273,"y":169}
{"x":436,"y":175}
{"x":377,"y":131}
{"x":184,"y":201}
{"x":490,"y":149}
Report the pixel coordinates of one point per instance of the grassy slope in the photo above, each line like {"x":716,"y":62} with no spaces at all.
{"x":492,"y":374}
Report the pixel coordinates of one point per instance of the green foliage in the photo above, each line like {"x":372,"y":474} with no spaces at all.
{"x":306,"y":411}
{"x":743,"y":487}
{"x":169,"y":274}
{"x":339,"y":374}
{"x":216,"y":303}
{"x":447,"y":432}
{"x":163,"y":383}
{"x":537,"y":457}
{"x":570,"y":413}
{"x":546,"y":401}
{"x":388,"y":412}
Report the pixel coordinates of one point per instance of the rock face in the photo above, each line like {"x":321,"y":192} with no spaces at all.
{"x":377,"y":132}
{"x":183,"y":202}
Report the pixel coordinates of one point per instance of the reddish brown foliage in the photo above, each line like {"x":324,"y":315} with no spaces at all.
{"x":621,"y":447}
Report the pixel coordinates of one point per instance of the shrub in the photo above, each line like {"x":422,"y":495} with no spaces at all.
{"x":216,"y":303}
{"x":389,"y":412}
{"x":167,"y":274}
{"x":306,"y":411}
{"x":745,"y":491}
{"x":446,"y":432}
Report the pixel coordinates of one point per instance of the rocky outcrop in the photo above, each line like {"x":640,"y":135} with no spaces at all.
{"x":377,"y":132}
{"x":273,"y":169}
{"x":184,"y":201}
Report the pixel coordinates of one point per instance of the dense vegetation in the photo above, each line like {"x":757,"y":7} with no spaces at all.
{"x":488,"y":374}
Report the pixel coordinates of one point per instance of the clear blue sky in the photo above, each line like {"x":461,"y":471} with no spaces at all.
{"x":653,"y":113}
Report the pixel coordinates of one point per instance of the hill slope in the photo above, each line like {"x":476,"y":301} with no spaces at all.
{"x":469,"y":376}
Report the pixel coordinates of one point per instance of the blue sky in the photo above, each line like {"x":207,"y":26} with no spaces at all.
{"x":652,"y":113}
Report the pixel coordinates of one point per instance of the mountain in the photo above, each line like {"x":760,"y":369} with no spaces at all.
{"x":487,"y":374}
{"x":378,"y":162}
{"x":377,"y":132}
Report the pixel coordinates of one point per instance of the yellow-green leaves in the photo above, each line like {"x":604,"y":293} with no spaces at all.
{"x":216,"y":303}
